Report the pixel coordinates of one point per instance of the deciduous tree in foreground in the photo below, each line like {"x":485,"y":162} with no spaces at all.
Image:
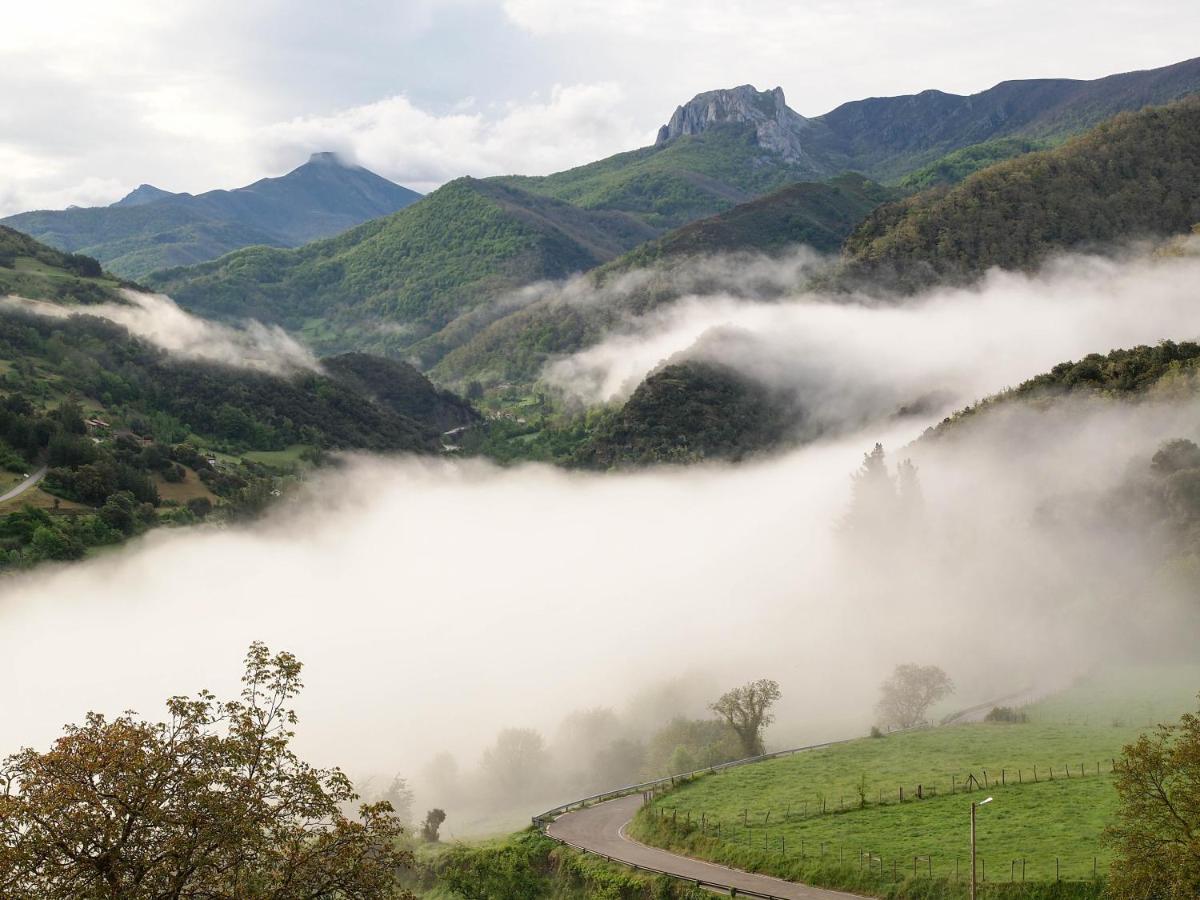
{"x":1157,"y":832}
{"x":212,"y":803}
{"x":747,"y":710}
{"x":907,"y":695}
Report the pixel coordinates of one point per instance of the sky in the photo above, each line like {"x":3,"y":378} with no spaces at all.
{"x":199,"y":94}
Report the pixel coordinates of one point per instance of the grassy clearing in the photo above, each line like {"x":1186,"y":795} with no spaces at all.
{"x":289,"y":456}
{"x":859,"y":785}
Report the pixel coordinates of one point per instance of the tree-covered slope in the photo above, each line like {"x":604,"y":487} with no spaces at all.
{"x":152,"y":229}
{"x":516,"y":346}
{"x":688,"y":412}
{"x":129,"y":436}
{"x":392,"y":282}
{"x":820,"y":215}
{"x":1168,"y":371}
{"x":33,"y":270}
{"x":1137,"y":175}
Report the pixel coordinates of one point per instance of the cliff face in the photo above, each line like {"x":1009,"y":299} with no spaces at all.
{"x":777,"y":127}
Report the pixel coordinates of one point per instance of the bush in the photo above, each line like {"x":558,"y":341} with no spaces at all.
{"x":1006,"y":714}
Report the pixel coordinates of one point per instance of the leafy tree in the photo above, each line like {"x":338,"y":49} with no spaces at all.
{"x":212,"y":804}
{"x":905,"y":698}
{"x":1156,"y":837}
{"x":1175,"y":455}
{"x":516,"y":762}
{"x":746,"y":709}
{"x":433,"y":822}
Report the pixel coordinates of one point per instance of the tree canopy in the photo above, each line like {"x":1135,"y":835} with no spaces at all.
{"x":212,"y":803}
{"x":747,"y":711}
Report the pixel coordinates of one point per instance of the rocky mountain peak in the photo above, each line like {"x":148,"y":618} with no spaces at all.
{"x":143,"y":194}
{"x":777,"y":126}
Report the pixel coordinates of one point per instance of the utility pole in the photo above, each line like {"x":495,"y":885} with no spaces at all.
{"x":972,"y":850}
{"x":973,"y":805}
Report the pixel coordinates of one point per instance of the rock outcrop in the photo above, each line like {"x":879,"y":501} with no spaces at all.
{"x":777,"y":127}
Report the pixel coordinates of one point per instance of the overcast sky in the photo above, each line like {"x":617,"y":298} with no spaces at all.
{"x":194,"y":94}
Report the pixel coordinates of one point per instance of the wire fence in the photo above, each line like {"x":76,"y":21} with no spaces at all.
{"x":890,"y":867}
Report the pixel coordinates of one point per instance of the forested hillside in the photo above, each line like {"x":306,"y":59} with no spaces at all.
{"x":1136,"y":176}
{"x":130,"y":437}
{"x":31,"y":269}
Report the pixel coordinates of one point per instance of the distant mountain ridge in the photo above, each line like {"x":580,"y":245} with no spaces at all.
{"x":886,"y":138}
{"x":152,"y":229}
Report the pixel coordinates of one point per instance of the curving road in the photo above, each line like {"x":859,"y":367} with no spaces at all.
{"x":24,"y":485}
{"x":601,"y":829}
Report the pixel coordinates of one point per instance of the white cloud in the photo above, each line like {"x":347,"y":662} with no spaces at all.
{"x":397,"y":139}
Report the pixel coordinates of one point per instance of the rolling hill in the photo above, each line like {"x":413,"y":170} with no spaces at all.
{"x":153,"y":229}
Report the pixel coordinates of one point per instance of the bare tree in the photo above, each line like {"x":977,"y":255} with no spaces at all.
{"x":905,"y":698}
{"x":747,"y":711}
{"x":1156,"y":835}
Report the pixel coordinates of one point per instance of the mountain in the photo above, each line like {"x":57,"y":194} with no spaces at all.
{"x":1135,"y":176}
{"x":725,"y":147}
{"x":392,"y":282}
{"x":152,"y":229}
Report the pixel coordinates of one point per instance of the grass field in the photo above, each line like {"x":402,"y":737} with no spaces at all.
{"x":1055,"y":826}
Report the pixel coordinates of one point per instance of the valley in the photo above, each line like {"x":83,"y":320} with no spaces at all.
{"x":604,"y":501}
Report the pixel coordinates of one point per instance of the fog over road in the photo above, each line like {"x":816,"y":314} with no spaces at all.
{"x":601,"y":829}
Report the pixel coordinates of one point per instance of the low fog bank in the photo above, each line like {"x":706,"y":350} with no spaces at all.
{"x":156,"y":318}
{"x":848,"y":361}
{"x":436,"y":603}
{"x":453,"y":615}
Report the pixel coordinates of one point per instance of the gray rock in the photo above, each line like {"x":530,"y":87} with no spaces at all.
{"x":778,"y":128}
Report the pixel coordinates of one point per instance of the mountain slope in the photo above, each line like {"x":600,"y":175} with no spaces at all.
{"x":685,"y":178}
{"x":728,"y":146}
{"x":516,"y":346}
{"x":32,"y":270}
{"x":392,"y":282}
{"x":1135,"y":176}
{"x":688,"y":412}
{"x":152,"y":229}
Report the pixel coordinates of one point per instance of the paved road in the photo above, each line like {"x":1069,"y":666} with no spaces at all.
{"x":601,"y":829}
{"x":24,"y":485}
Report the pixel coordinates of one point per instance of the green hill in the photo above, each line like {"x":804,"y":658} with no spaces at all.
{"x":514,"y":347}
{"x":32,"y":270}
{"x":153,"y":229}
{"x":666,"y":186}
{"x":132,"y":437}
{"x":1135,"y":176}
{"x":688,"y":412}
{"x":392,"y":282}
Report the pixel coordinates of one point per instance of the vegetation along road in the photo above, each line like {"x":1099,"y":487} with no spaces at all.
{"x":601,"y":829}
